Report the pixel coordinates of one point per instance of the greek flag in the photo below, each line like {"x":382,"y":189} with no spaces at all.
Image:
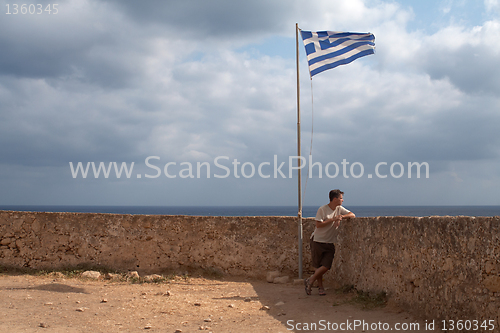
{"x":329,"y":49}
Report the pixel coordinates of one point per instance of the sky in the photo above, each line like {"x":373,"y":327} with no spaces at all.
{"x":201,"y":96}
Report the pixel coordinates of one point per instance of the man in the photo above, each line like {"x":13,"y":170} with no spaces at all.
{"x":324,"y":237}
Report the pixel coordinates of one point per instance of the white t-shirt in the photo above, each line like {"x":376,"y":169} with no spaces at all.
{"x":329,"y":233}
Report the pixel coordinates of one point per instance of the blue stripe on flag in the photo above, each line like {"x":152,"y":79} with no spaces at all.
{"x":306,"y":34}
{"x":310,"y":48}
{"x":339,"y":52}
{"x":325,"y":44}
{"x":341,"y":62}
{"x":328,"y":49}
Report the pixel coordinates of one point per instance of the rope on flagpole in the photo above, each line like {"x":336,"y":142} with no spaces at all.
{"x":312,"y":132}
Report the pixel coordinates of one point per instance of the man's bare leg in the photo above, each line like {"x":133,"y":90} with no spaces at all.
{"x":318,"y":276}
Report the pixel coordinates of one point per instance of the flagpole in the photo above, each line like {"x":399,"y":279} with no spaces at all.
{"x":299,"y":215}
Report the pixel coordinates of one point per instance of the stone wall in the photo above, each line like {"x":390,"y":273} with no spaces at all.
{"x":437,"y":267}
{"x":441,"y":267}
{"x":149,"y":243}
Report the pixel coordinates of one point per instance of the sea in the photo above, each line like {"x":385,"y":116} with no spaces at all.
{"x":307,"y":211}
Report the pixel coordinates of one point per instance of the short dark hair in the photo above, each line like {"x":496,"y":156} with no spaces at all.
{"x":335,"y":194}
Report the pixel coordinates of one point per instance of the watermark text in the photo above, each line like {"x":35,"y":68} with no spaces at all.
{"x":225,"y":167}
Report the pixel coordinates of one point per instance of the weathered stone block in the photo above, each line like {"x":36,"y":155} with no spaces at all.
{"x":270,"y":276}
{"x":91,"y":275}
{"x":281,"y":279}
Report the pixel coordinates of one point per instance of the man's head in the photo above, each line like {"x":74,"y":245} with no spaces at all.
{"x":336,"y":194}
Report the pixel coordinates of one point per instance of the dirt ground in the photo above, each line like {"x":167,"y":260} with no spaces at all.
{"x":57,"y":303}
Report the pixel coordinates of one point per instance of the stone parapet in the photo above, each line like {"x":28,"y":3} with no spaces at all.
{"x":436,"y":267}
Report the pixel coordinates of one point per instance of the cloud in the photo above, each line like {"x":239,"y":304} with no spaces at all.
{"x":198,"y":19}
{"x":465,"y":56}
{"x":492,"y":6}
{"x":49,"y":45}
{"x":400,"y":117}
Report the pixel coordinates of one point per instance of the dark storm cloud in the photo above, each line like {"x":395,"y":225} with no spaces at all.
{"x":214,"y":18}
{"x":39,"y":130}
{"x":82,"y":43}
{"x":471,"y":68}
